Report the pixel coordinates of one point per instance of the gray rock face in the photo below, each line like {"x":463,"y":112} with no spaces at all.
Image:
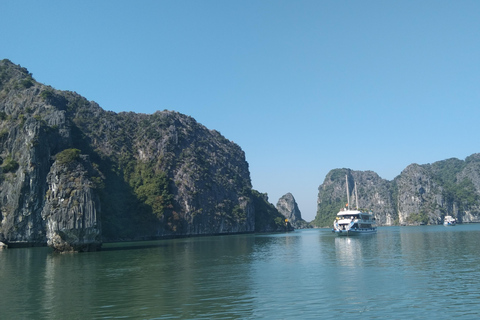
{"x":288,"y":207}
{"x":418,"y":193}
{"x":373,"y":193}
{"x":71,"y":210}
{"x":421,"y":194}
{"x":267,"y":217}
{"x":27,"y":144}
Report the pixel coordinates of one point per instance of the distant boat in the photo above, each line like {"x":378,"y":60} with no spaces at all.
{"x":354,"y":222}
{"x":449,"y":221}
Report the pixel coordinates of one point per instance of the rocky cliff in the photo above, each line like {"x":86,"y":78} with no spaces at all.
{"x":421,"y":194}
{"x":268,"y":218}
{"x":74,"y":175}
{"x":288,"y":207}
{"x":71,"y":208}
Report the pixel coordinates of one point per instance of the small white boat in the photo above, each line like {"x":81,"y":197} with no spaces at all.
{"x":353,"y":222}
{"x":449,"y":221}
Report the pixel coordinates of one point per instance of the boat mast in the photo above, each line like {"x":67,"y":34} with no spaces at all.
{"x":348,"y":196}
{"x":356,"y":195}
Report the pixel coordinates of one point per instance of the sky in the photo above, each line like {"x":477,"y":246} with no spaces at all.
{"x":303,"y":87}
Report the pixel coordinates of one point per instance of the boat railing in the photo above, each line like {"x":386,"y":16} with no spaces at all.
{"x":364,"y":229}
{"x":350,"y":226}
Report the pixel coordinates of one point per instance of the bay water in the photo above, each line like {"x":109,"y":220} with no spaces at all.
{"x":399,"y":273}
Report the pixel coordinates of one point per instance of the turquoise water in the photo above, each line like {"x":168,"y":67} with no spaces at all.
{"x":400,"y":273}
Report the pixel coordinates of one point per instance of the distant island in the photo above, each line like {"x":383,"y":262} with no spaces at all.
{"x":421,"y":194}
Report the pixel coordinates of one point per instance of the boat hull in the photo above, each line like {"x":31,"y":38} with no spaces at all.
{"x":449,"y":221}
{"x":345,"y":233}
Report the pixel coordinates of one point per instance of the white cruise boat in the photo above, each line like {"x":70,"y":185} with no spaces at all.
{"x":449,"y":221}
{"x":353,"y":222}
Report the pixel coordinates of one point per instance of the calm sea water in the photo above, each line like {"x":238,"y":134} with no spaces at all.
{"x":399,"y":273}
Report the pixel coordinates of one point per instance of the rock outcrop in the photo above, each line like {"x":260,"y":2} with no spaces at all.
{"x":72,"y":207}
{"x":74,"y":175}
{"x":268,"y":218}
{"x":288,"y":207}
{"x":421,"y":194}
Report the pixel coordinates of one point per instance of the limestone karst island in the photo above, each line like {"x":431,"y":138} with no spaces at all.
{"x":74,"y":176}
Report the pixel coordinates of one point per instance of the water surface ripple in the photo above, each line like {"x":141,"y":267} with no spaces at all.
{"x":400,"y":273}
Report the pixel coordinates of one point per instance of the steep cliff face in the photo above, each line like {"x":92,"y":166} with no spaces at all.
{"x":186,"y":179}
{"x":136,"y":176}
{"x":288,"y":207}
{"x":72,"y":208}
{"x":421,"y":194}
{"x":373,"y":193}
{"x":465,"y":203}
{"x":267,"y":217}
{"x":419,"y":197}
{"x":30,"y":134}
{"x":427,"y":193}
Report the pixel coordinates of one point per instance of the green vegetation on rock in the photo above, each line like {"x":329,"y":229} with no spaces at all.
{"x":68,"y":155}
{"x":9,"y":165}
{"x":417,"y":218}
{"x":151,"y":188}
{"x":267,"y":217}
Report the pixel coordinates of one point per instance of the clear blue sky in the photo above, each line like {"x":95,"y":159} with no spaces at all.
{"x":302,"y":86}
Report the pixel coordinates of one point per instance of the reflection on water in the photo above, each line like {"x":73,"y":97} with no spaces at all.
{"x":400,"y":272}
{"x":350,"y":251}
